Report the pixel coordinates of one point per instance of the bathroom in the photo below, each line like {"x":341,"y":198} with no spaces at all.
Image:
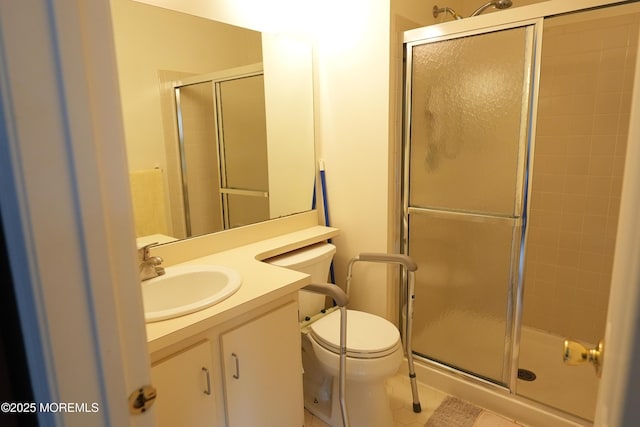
{"x":359,"y":40}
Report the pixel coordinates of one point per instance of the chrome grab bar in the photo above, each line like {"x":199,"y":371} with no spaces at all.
{"x":403,"y":260}
{"x":410,"y":266}
{"x":341,"y":299}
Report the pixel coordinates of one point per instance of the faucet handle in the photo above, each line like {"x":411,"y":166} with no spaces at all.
{"x":149,"y":265}
{"x":144,"y":252}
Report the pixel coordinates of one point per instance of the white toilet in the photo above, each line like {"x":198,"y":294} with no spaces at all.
{"x":374,"y":350}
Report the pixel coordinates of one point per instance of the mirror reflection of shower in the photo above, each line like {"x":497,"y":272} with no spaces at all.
{"x":221,"y":121}
{"x":496,"y":4}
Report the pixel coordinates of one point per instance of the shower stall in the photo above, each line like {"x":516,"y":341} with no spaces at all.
{"x":515,"y":135}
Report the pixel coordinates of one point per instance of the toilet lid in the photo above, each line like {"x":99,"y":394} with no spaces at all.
{"x":368,"y":335}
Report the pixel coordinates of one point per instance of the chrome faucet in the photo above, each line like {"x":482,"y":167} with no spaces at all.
{"x":149,"y":265}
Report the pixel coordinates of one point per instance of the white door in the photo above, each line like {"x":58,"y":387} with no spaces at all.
{"x":66,"y":211}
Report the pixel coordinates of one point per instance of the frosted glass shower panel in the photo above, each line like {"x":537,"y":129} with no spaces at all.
{"x":243,"y":210}
{"x":199,"y":159}
{"x":244,"y":133}
{"x":469,"y":115}
{"x":463,"y":285}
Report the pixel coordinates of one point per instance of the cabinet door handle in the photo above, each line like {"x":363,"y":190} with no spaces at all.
{"x":208,"y":378}
{"x":237,"y":360}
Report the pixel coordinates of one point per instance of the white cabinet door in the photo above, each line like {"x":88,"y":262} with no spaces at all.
{"x":184,"y":384}
{"x":262,"y":371}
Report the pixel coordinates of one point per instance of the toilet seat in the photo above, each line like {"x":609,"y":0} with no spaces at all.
{"x":368,"y":336}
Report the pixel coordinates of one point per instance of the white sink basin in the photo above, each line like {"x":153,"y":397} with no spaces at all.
{"x":186,"y":289}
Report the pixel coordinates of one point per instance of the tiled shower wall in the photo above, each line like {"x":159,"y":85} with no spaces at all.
{"x":583,"y":118}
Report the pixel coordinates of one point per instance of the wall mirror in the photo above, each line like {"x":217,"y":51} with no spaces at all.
{"x":218,"y":122}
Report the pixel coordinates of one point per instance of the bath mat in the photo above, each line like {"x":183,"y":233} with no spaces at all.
{"x":454,"y":412}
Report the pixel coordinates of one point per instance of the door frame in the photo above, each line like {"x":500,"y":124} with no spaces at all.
{"x":619,"y":393}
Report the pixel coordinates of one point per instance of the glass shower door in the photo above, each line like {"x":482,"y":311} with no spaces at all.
{"x":199,"y":158}
{"x":223,"y":150}
{"x":466,"y":153}
{"x":242,"y":134}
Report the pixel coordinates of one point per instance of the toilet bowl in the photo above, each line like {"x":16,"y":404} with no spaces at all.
{"x":374,"y":353}
{"x":374,"y":350}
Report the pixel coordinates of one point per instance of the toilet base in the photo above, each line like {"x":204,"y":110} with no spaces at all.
{"x":317,"y":384}
{"x":367,"y":400}
{"x":367,"y":405}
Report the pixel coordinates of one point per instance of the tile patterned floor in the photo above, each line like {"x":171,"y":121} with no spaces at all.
{"x":400,"y":397}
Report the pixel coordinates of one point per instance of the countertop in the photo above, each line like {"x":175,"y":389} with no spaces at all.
{"x":261,"y":284}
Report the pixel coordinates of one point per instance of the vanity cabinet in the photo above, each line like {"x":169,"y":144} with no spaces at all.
{"x":246,"y":371}
{"x":262,"y":371}
{"x":184,"y":388}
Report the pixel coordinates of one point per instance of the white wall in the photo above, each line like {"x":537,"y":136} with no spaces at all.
{"x":353,"y":136}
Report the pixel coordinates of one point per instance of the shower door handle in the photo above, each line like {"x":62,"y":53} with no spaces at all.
{"x":575,"y":353}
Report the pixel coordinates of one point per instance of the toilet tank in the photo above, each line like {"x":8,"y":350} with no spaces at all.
{"x":314,"y":260}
